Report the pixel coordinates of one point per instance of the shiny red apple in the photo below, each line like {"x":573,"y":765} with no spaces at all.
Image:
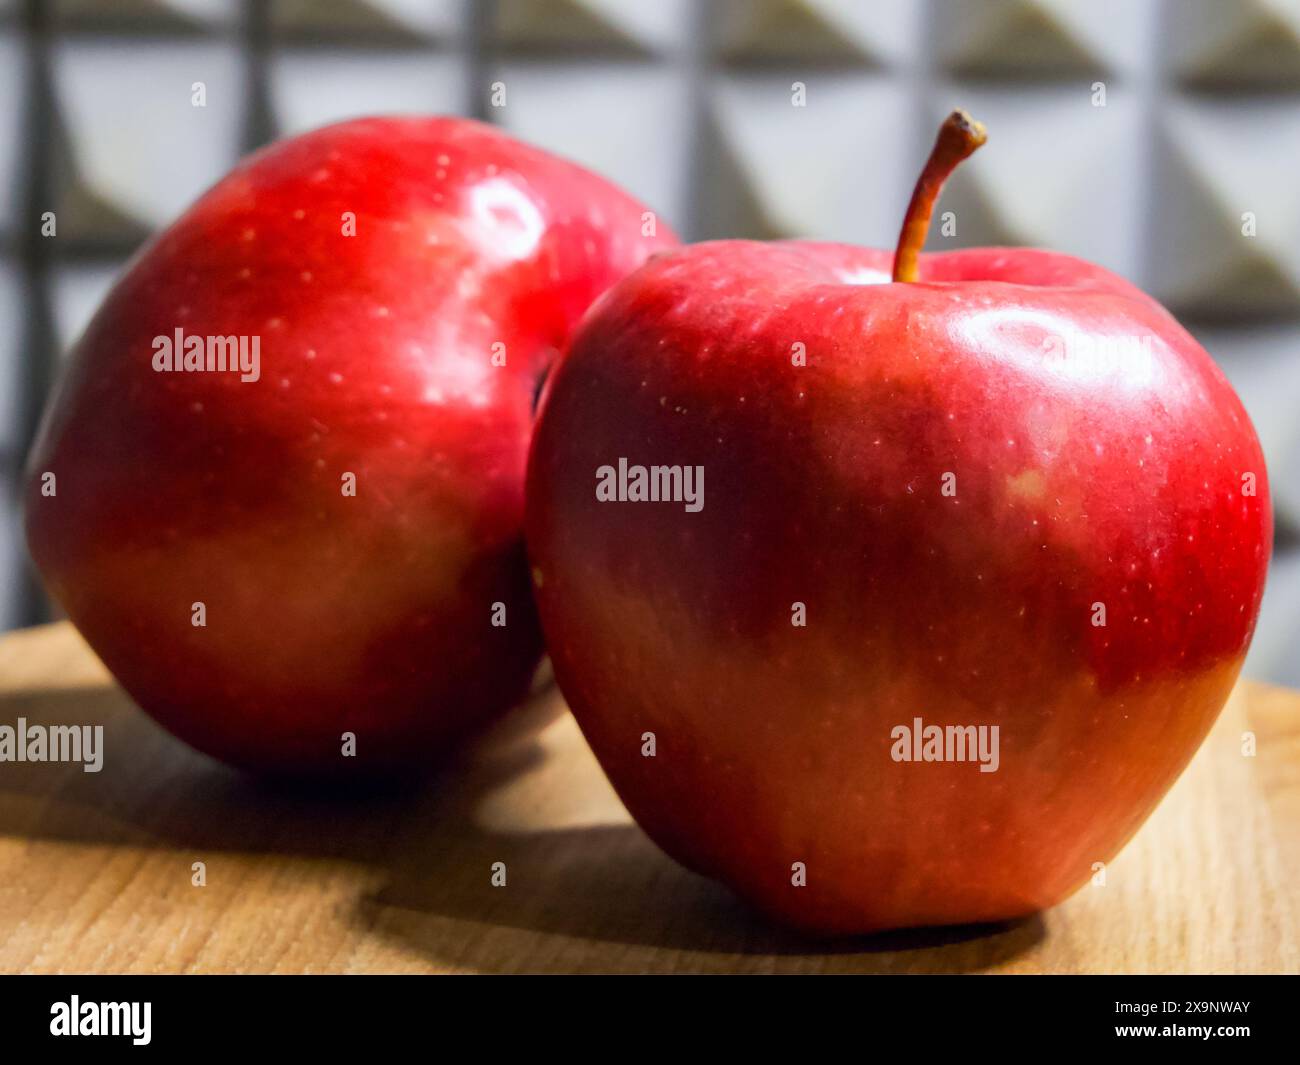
{"x":1003,"y":489}
{"x":315,"y":563}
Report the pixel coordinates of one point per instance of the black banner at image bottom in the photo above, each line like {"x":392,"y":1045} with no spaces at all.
{"x":333,"y":1013}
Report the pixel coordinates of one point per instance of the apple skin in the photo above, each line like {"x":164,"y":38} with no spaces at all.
{"x":1078,"y":481}
{"x":327,"y":613}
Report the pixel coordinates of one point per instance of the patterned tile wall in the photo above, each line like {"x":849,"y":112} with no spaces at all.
{"x":1139,"y":133}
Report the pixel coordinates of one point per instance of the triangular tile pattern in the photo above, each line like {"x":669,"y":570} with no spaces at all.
{"x":1020,"y":38}
{"x":520,"y":25}
{"x":1262,"y":365}
{"x":1118,"y":36}
{"x":11,"y":343}
{"x":396,"y":22}
{"x":979,"y":219}
{"x":121,"y":174}
{"x":801,"y":174}
{"x":1053,"y":174}
{"x":151,"y":16}
{"x":1247,"y":44}
{"x":1214,"y":163}
{"x":819,"y":30}
{"x":587,"y":25}
{"x":310,"y":90}
{"x":85,"y":216}
{"x":13,"y":113}
{"x":641,"y":110}
{"x":1272,"y":651}
{"x":1057,"y":173}
{"x":13,"y":563}
{"x":730,"y":206}
{"x":78,"y":291}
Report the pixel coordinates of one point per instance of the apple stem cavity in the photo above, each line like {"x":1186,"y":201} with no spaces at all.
{"x":958,"y":138}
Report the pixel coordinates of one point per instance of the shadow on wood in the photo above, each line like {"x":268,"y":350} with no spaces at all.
{"x":581,"y":894}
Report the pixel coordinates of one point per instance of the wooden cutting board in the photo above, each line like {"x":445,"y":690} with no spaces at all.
{"x":96,"y":869}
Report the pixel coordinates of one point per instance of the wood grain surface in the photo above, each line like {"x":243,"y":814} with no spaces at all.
{"x":96,"y":868}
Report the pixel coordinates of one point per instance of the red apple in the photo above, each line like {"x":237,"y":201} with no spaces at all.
{"x":350,"y":520}
{"x":1007,"y":489}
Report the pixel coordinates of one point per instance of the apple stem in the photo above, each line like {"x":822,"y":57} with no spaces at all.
{"x":959,"y":136}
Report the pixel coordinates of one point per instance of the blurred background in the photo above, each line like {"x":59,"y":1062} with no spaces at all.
{"x":1160,"y":138}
